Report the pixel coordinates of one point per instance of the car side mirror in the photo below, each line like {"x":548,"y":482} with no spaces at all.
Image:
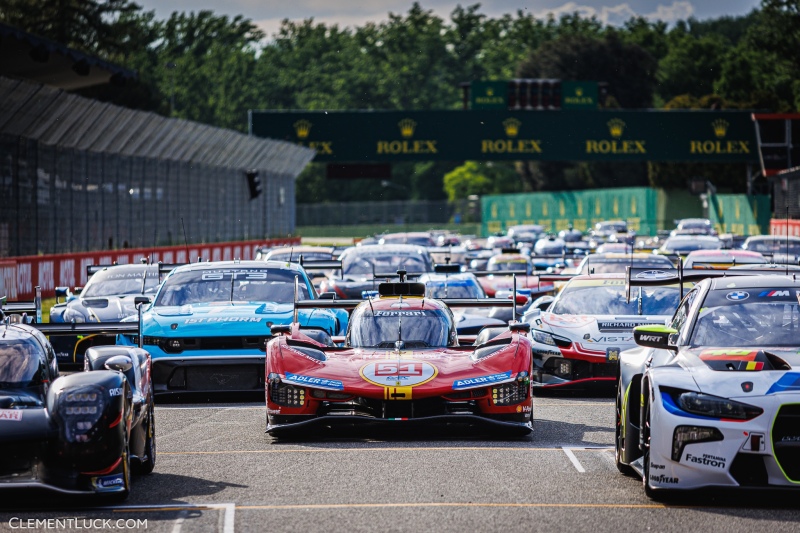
{"x":78,"y":290}
{"x":520,"y":327}
{"x":656,"y":336}
{"x":120,"y":363}
{"x":330,"y":295}
{"x":277,"y":329}
{"x":141,"y":300}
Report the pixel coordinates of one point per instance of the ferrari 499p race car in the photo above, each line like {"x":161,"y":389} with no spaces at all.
{"x":401,"y":365}
{"x":78,"y":434}
{"x":713,"y":398}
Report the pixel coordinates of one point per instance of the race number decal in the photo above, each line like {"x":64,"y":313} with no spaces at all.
{"x":401,"y":373}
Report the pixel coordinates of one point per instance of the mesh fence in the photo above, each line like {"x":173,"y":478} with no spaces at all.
{"x":79,"y":175}
{"x":393,"y":213}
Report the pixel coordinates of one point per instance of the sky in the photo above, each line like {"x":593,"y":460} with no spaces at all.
{"x":268,"y":14}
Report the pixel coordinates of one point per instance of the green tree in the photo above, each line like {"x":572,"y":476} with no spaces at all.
{"x":691,"y":66}
{"x":466,"y":180}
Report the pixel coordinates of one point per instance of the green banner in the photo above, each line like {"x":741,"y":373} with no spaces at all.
{"x":493,"y":135}
{"x":582,"y":209}
{"x":740,"y":214}
{"x":489,"y":94}
{"x":579,"y":95}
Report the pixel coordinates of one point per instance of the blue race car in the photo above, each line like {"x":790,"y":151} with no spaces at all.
{"x":110,"y":295}
{"x":208,"y":326}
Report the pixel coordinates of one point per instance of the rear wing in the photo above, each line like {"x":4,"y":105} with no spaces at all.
{"x":94,"y":328}
{"x":651,"y":277}
{"x":30,"y":311}
{"x":320,"y":264}
{"x":450,"y":302}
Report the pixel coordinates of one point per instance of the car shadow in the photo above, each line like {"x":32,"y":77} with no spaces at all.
{"x":156,"y":488}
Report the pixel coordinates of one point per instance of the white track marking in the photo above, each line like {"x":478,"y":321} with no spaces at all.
{"x":575,"y":462}
{"x":228,"y":510}
{"x":179,"y":522}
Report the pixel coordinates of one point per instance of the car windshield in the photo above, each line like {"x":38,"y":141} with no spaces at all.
{"x":20,"y":364}
{"x":387,"y":263}
{"x":687,"y":245}
{"x":231,"y":285}
{"x":694,"y":224}
{"x":116,"y":282}
{"x":618,"y":266}
{"x":774,"y":247}
{"x":509,"y":266}
{"x":740,"y":318}
{"x":607,"y":297}
{"x":428,"y":328}
{"x":419,"y":240}
{"x":295,"y":256}
{"x":454,"y":289}
{"x":612,"y":226}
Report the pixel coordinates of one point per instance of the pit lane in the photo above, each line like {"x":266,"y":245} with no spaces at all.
{"x":218,"y":471}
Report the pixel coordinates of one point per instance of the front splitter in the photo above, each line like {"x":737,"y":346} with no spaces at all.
{"x":481,"y":424}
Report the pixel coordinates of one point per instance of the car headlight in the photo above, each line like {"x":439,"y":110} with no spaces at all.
{"x":713,"y":406}
{"x":80,"y":410}
{"x":71,"y":315}
{"x":542,"y":338}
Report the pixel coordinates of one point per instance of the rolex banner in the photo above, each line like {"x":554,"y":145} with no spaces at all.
{"x":740,"y":214}
{"x":565,"y":135}
{"x":581,"y":209}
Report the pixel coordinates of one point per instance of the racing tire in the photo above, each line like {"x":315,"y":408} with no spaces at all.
{"x":120,"y":496}
{"x":620,"y":447}
{"x":148,"y":463}
{"x":649,"y":491}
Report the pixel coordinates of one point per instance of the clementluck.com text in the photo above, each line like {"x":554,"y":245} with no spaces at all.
{"x":76,"y":523}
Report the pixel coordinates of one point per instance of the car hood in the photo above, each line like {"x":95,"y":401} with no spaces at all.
{"x":595,"y":331}
{"x":102,"y":309}
{"x":230,"y":320}
{"x":371,"y":371}
{"x":727,"y":371}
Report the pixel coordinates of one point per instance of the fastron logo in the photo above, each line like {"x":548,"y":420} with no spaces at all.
{"x":707,"y":460}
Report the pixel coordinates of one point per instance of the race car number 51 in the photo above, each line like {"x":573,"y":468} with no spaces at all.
{"x":398,"y":373}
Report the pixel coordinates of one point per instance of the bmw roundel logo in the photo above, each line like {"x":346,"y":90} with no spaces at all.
{"x":737,"y":295}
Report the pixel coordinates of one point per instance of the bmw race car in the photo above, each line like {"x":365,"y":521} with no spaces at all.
{"x":577,"y":341}
{"x":111,"y":294}
{"x":209,"y":323}
{"x":401,"y":365}
{"x":713,"y":398}
{"x":79,"y":434}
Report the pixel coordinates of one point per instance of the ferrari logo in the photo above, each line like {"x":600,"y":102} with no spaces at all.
{"x":397,"y":393}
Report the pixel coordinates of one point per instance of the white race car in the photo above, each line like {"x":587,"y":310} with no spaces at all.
{"x":713,"y":398}
{"x":577,"y":341}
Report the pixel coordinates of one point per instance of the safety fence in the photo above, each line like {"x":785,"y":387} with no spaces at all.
{"x":783,"y":227}
{"x":20,"y":275}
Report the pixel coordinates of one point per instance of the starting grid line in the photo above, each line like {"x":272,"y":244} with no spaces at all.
{"x":566,"y":449}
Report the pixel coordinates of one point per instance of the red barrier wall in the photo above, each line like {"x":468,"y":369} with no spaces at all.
{"x":778,"y":227}
{"x":19,"y":275}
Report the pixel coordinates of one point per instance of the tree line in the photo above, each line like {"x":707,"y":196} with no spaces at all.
{"x":211,"y":68}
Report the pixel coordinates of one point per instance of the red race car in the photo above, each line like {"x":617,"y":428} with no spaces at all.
{"x":401,"y":364}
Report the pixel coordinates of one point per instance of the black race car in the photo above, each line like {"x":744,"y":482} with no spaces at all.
{"x":76,"y":434}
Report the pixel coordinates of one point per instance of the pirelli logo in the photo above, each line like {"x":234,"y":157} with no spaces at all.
{"x":397,"y":393}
